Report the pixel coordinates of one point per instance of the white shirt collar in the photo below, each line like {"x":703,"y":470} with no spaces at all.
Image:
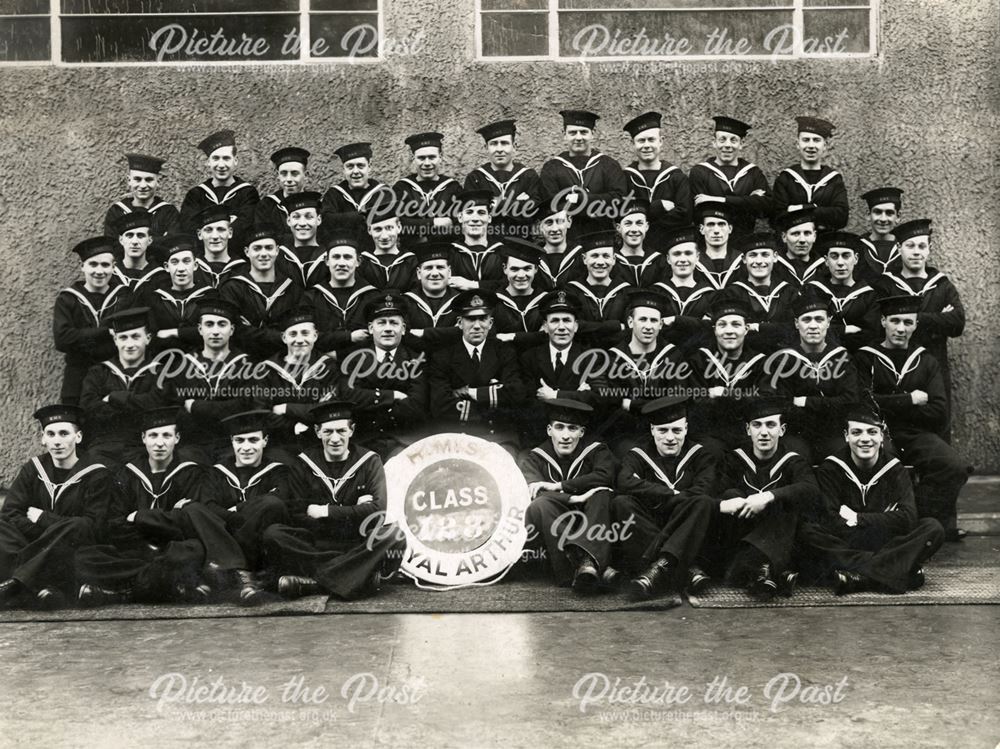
{"x":470,"y":348}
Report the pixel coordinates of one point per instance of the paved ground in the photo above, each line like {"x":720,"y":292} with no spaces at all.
{"x":854,"y":677}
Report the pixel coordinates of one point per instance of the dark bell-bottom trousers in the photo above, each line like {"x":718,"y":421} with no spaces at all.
{"x":676,"y":527}
{"x":48,"y":561}
{"x":152,"y":575}
{"x":341,"y":560}
{"x":871,"y":552}
{"x":249,"y":521}
{"x":568,"y":529}
{"x":941,"y":474}
{"x":771,"y":533}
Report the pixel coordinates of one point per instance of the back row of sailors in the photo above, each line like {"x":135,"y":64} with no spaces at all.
{"x":595,"y":184}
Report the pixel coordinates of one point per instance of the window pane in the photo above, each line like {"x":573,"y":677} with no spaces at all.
{"x":344,"y":34}
{"x":839,"y":3}
{"x":344,"y":5}
{"x":676,"y":4}
{"x":23,"y":7}
{"x":194,"y":38}
{"x":515,"y":34}
{"x":177,"y":7}
{"x":515,"y":4}
{"x":669,"y":34}
{"x":836,"y":31}
{"x":24,"y":39}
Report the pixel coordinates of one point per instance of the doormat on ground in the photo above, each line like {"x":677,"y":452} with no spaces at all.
{"x":276,"y":607}
{"x":951,"y":585}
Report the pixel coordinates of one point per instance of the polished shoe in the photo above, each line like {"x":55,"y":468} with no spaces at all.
{"x":916,"y":579}
{"x":846,"y":582}
{"x":49,"y":599}
{"x":9,"y":590}
{"x":612,"y":579}
{"x":587,"y":578}
{"x":294,"y":586}
{"x":698,"y":580}
{"x":787,"y":581}
{"x":655,"y":581}
{"x":372,"y":585}
{"x":763,"y":584}
{"x":250,"y":593}
{"x":92,"y":596}
{"x":954,"y":535}
{"x":196,"y":594}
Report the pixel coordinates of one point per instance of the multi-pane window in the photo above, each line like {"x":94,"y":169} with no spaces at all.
{"x":675,"y":29}
{"x":188,"y":31}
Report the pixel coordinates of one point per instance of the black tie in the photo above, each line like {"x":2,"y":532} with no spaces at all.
{"x":475,"y":357}
{"x":558,"y":368}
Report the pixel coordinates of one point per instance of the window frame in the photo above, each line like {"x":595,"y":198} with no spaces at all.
{"x":55,"y":16}
{"x":798,"y":53}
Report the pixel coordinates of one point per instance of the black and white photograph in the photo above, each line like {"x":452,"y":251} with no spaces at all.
{"x":500,"y":373}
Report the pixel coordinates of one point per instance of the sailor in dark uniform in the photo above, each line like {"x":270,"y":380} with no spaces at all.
{"x":686,"y":321}
{"x":727,"y":180}
{"x":56,"y":504}
{"x":216,"y":264}
{"x":475,"y":260}
{"x":866,"y":535}
{"x":664,"y":490}
{"x":346,"y":204}
{"x":78,"y":319}
{"x":639,"y":261}
{"x":262,"y":294}
{"x":518,"y":313}
{"x":721,"y":262}
{"x":250,"y":491}
{"x":384,"y":380}
{"x":769,"y":299}
{"x":135,"y":269}
{"x":475,"y":385}
{"x":817,"y":378}
{"x":905,"y":380}
{"x":515,"y":187}
{"x":812,"y":181}
{"x":296,"y":379}
{"x":303,"y":259}
{"x":209,"y":384}
{"x":161,"y":535}
{"x":425,"y":199}
{"x":796,"y":263}
{"x":562,"y":261}
{"x":339,"y":303}
{"x":386,"y":265}
{"x":765,"y":488}
{"x":172,"y":305}
{"x":660,"y":184}
{"x":117,"y":391}
{"x":432,"y":314}
{"x":601,"y":297}
{"x":855,"y":321}
{"x":337,"y":541}
{"x":592,"y":183}
{"x":640,"y":368}
{"x":723,"y":376}
{"x":571,"y":483}
{"x":942,"y":315}
{"x":143,"y":181}
{"x":291,"y":167}
{"x":881,"y":254}
{"x":222,"y":188}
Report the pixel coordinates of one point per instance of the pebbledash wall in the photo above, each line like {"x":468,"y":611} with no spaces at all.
{"x":922,"y":114}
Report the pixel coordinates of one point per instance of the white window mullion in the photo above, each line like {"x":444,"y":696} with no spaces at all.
{"x":553,"y":29}
{"x":305,"y":32}
{"x":55,"y":31}
{"x":798,"y":29}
